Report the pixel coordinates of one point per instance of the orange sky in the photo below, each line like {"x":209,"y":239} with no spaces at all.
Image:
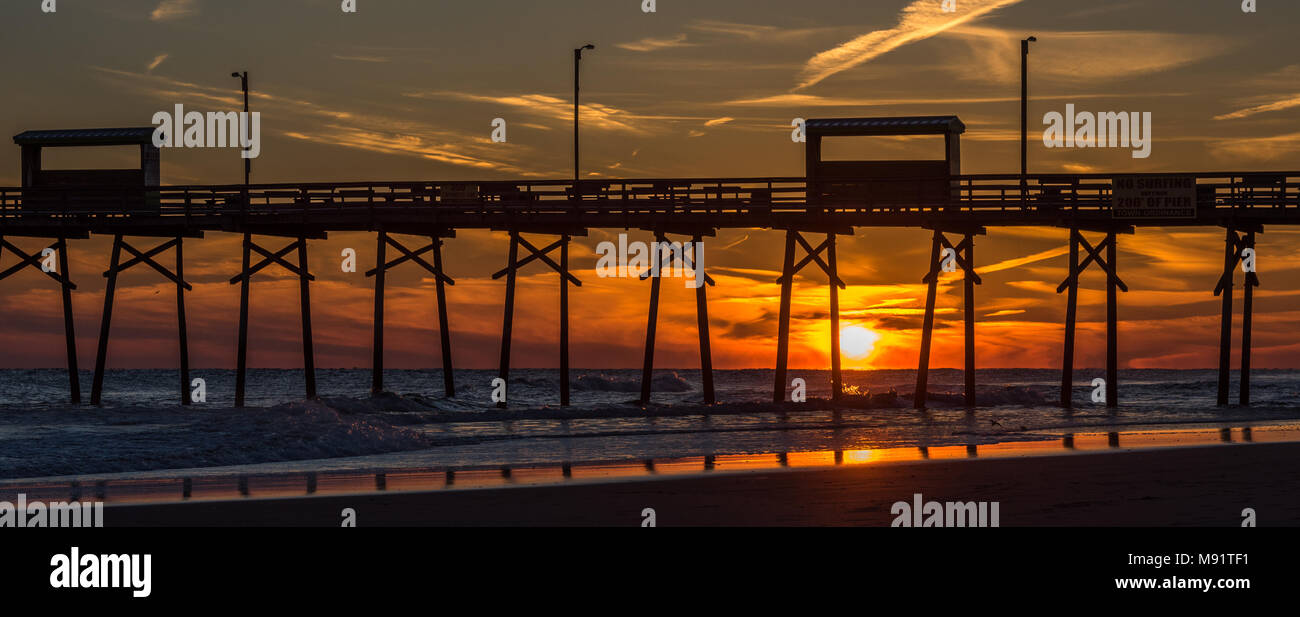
{"x":689,"y":91}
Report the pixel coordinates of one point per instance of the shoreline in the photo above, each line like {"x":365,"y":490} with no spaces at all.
{"x":309,"y":478}
{"x":1192,"y":485}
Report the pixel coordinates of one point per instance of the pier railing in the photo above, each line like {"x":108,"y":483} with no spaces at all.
{"x":956,"y":209}
{"x":735,"y":199}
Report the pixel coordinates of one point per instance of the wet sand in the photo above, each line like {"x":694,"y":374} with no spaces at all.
{"x":1196,"y":486}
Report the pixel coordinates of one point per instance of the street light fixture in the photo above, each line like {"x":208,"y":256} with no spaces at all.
{"x":577,"y":169}
{"x":243,"y":80}
{"x":1024,"y":115}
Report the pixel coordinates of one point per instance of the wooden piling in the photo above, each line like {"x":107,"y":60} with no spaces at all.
{"x":69,"y":329}
{"x":702,"y":319}
{"x":1112,"y":322}
{"x":1225,"y":322}
{"x":101,"y":354}
{"x":783,"y":327}
{"x":837,"y":378}
{"x":506,"y":327}
{"x":241,"y":361}
{"x":186,"y":399}
{"x":1071,"y":315}
{"x":304,"y":301}
{"x":564,"y":321}
{"x":656,"y":279}
{"x":969,"y":278}
{"x":381,"y":266}
{"x":444,"y":331}
{"x":927,"y":328}
{"x":1247,"y":311}
{"x":1226,"y":318}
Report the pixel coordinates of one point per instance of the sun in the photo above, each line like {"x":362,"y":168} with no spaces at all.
{"x":857,"y":342}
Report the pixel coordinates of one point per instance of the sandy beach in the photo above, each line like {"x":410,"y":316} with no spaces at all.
{"x":1193,"y":486}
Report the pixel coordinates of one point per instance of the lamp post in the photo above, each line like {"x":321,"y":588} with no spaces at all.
{"x":1024,"y":116}
{"x":243,"y":81}
{"x":577,"y":169}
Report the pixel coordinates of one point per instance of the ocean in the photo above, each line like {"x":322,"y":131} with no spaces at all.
{"x":142,"y":431}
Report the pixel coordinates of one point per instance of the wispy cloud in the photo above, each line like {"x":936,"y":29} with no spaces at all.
{"x":993,"y":54}
{"x":1258,"y":148}
{"x":369,"y":131}
{"x":920,"y":20}
{"x":426,"y":142}
{"x":594,"y":115}
{"x":718,"y":121}
{"x":653,"y":44}
{"x":1020,"y":261}
{"x":156,"y":61}
{"x":174,"y":9}
{"x":1287,"y":102}
{"x":812,"y":100}
{"x":755,"y":32}
{"x":374,"y":59}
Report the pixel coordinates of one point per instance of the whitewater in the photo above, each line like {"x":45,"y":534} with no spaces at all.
{"x":141,"y":429}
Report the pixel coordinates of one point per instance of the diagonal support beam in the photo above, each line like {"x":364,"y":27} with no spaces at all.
{"x":409,"y":255}
{"x":963,"y":254}
{"x":147,"y":259}
{"x":116,"y":266}
{"x":813,"y":255}
{"x":440,"y":279}
{"x":786,"y":280}
{"x":1094,"y":255}
{"x":64,"y":278}
{"x":536,"y":254}
{"x":666,"y":258}
{"x":277,"y":257}
{"x":245,"y":279}
{"x":32,"y":261}
{"x":1110,"y":244}
{"x":141,"y":258}
{"x":511,"y":273}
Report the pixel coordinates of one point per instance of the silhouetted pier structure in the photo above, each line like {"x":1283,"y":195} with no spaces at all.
{"x":832,"y":199}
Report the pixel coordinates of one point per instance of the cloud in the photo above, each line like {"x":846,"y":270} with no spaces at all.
{"x":434,"y":147}
{"x":156,"y":61}
{"x":1288,"y":102}
{"x":812,"y":100}
{"x":1258,"y":148}
{"x":174,"y":9}
{"x":718,"y":121}
{"x":368,"y":131}
{"x":1020,"y":261}
{"x":594,"y":115}
{"x":754,"y":32}
{"x":919,"y":21}
{"x":653,"y":44}
{"x":1078,"y":168}
{"x":993,"y":54}
{"x":372,"y":59}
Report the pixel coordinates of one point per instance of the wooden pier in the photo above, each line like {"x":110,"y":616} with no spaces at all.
{"x":832,"y":200}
